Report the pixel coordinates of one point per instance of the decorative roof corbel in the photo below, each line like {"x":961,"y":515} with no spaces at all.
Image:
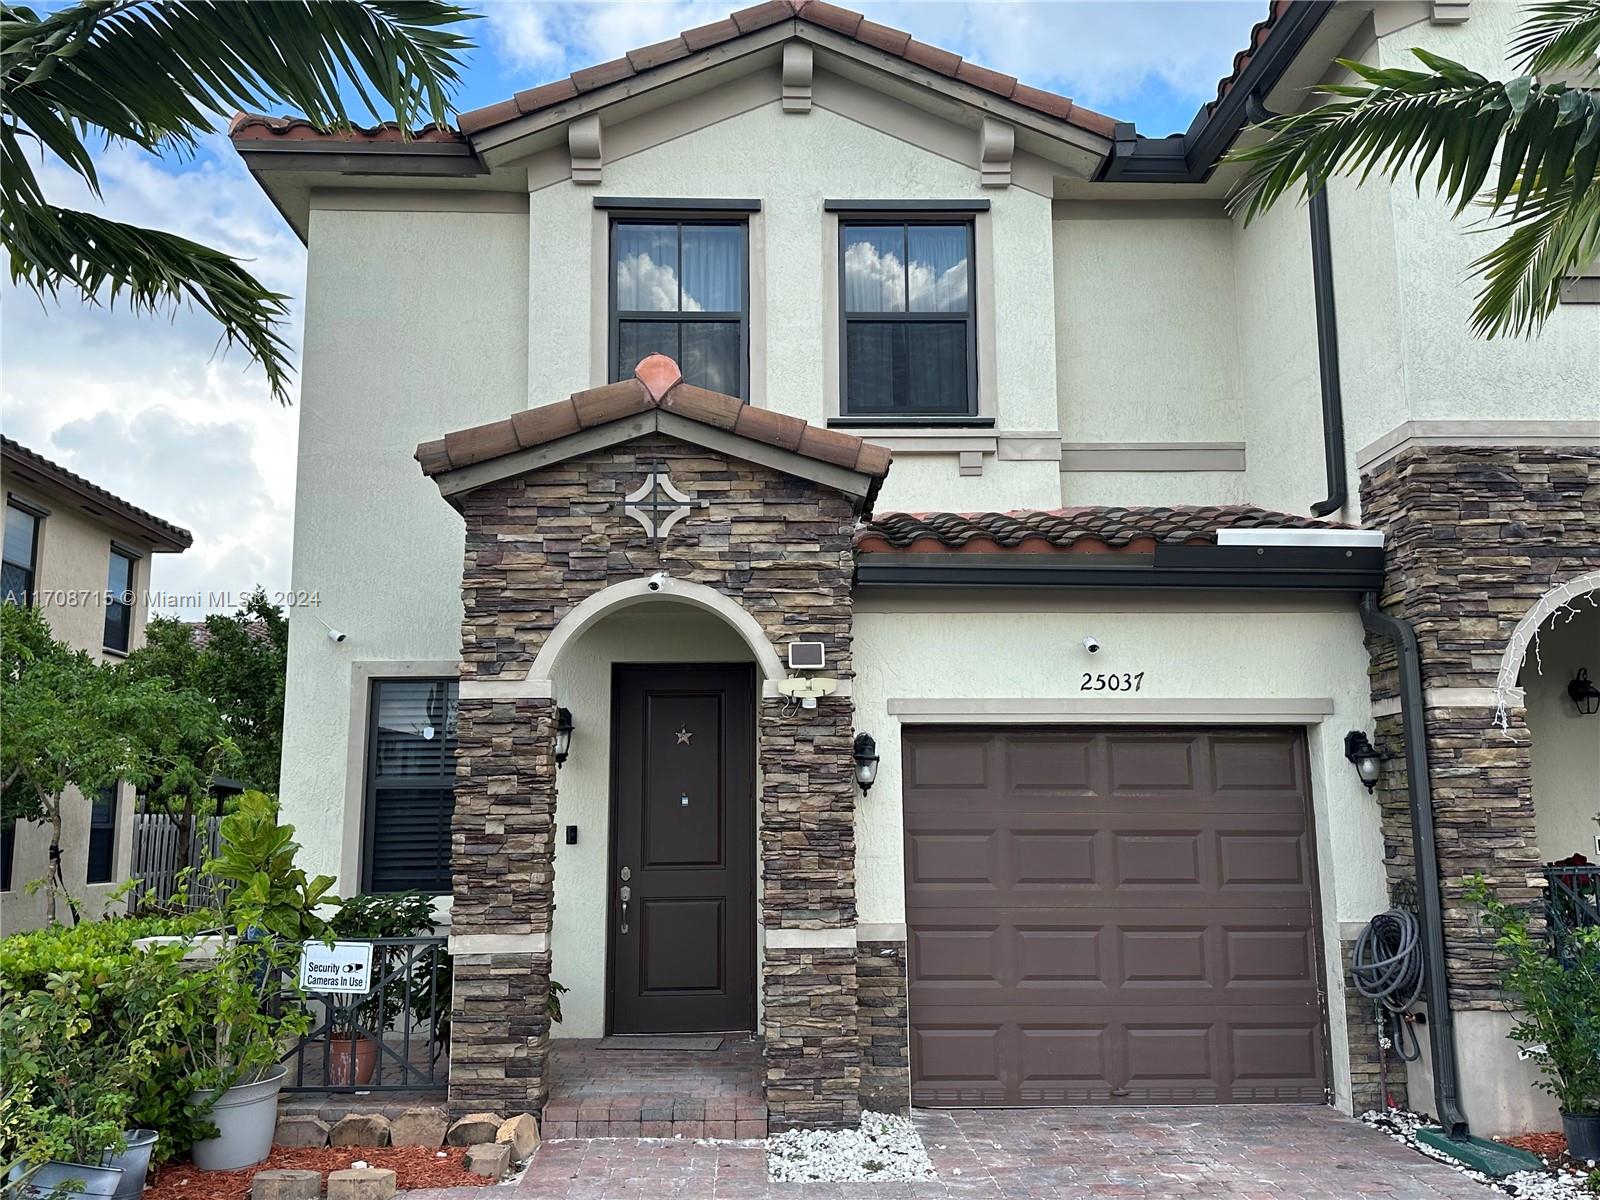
{"x":1449,"y":12}
{"x":997,"y":142}
{"x":583,"y":144}
{"x":797,"y":68}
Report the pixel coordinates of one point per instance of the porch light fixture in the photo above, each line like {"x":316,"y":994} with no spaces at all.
{"x":1584,"y":693}
{"x":563,"y":734}
{"x":1369,"y":764}
{"x":866,"y":755}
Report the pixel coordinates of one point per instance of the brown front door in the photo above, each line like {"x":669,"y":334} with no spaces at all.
{"x":1111,"y":916}
{"x":683,"y":856}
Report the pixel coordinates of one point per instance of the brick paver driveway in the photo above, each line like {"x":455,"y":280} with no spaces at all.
{"x":1237,"y":1153}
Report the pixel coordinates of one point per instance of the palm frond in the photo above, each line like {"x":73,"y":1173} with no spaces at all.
{"x":1557,"y":35}
{"x":1524,"y":275}
{"x":151,"y":270}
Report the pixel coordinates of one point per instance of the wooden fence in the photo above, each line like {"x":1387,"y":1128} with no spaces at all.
{"x":156,"y":841}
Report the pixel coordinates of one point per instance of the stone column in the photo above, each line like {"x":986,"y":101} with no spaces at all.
{"x":883,"y":1024}
{"x":808,"y":792}
{"x":502,"y":847}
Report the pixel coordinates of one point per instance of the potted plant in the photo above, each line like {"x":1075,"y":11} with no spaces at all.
{"x":241,"y":1001}
{"x":407,"y":985}
{"x":1555,"y":996}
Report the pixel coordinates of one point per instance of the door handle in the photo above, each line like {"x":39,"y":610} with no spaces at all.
{"x":624,"y":894}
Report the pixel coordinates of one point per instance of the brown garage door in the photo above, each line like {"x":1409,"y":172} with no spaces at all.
{"x":1110,"y":916}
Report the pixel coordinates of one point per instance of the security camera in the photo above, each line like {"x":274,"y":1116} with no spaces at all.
{"x":658,"y":581}
{"x":1092,"y":644}
{"x":336,"y":635}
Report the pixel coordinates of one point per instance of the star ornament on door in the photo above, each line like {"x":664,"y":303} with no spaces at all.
{"x":683,"y":735}
{"x":658,"y":504}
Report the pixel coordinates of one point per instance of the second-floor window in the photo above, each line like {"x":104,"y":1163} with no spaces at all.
{"x":909,"y":344}
{"x":19,"y":576}
{"x":119,"y":602}
{"x":679,"y":288}
{"x":411,"y":766}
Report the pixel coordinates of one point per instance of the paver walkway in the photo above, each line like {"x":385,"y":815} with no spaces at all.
{"x":1235,"y":1153}
{"x":597,"y":1093}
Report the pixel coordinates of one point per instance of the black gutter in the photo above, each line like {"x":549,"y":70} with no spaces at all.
{"x":1327,"y":359}
{"x":1419,"y":789}
{"x":1281,"y":568}
{"x":1191,"y":157}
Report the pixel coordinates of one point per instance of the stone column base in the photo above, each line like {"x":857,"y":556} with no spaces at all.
{"x":1366,"y":1072}
{"x":499,"y":1034}
{"x":813,"y":1056}
{"x":882,"y":1026}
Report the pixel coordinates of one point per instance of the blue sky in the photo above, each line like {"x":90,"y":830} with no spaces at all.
{"x":153,"y":409}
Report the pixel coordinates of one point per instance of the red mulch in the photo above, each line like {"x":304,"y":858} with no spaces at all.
{"x":1552,"y":1146}
{"x":414,"y":1167}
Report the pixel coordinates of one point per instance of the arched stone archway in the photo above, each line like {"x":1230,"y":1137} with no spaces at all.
{"x":1511,"y":660}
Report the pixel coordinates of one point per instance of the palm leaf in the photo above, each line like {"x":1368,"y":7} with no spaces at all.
{"x":1557,"y":35}
{"x":51,"y":248}
{"x":160,"y":76}
{"x":1450,"y":124}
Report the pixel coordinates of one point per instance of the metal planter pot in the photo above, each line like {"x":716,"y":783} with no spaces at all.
{"x":1583,"y":1135}
{"x":57,"y":1180}
{"x":245,"y":1117}
{"x":133,"y":1162}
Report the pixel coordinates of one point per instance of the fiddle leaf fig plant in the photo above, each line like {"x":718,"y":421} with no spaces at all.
{"x":266,"y":892}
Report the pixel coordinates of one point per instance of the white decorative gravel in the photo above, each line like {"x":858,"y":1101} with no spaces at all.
{"x":884,"y":1147}
{"x":1549,"y":1184}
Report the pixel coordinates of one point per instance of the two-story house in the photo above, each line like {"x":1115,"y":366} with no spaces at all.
{"x":81,"y":556}
{"x":836,"y":542}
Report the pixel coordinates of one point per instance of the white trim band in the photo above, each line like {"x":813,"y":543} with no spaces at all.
{"x":881,"y":931}
{"x":1372,"y":538}
{"x":1449,"y":697}
{"x":811,"y":939}
{"x":1126,"y":711}
{"x":499,"y":943}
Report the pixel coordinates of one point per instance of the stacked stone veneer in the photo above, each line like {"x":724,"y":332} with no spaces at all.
{"x":884,"y":1026}
{"x":538,"y":545}
{"x":1370,"y":1066}
{"x":1475,"y":536}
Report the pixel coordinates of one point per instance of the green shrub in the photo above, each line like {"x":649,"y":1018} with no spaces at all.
{"x":1555,"y":1000}
{"x":89,"y":1042}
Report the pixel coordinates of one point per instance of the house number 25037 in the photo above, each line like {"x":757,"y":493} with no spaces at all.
{"x":1111,"y":682}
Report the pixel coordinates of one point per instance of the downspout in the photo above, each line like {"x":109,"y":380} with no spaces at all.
{"x":1327,"y":358}
{"x":1327,"y":338}
{"x":1419,"y":789}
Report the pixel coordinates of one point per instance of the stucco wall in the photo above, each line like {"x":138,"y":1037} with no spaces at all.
{"x":654,"y":632}
{"x":792,"y":165}
{"x":416,"y":324}
{"x":1566,"y":744}
{"x":1243,"y":650}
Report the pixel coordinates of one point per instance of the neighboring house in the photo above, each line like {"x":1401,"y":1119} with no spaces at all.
{"x":81,"y":556}
{"x":608,"y":655}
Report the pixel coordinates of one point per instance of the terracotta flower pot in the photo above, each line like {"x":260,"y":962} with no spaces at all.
{"x":352,"y":1059}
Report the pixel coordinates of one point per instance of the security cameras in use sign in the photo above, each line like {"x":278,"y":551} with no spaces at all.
{"x":344,"y":967}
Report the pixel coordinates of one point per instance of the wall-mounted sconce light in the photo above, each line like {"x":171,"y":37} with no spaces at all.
{"x":866,"y":761}
{"x":1369,"y":763}
{"x":563,"y":734}
{"x":1584,"y":693}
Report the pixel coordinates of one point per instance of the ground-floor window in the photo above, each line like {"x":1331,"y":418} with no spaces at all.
{"x":410,"y":790}
{"x":102,"y":836}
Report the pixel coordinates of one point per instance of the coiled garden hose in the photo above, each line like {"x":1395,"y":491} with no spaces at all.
{"x":1386,"y":967}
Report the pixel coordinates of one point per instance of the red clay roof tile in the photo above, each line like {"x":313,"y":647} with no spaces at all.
{"x":613,"y":401}
{"x":851,"y":24}
{"x":32,"y":463}
{"x":254,"y":127}
{"x":1067,"y":530}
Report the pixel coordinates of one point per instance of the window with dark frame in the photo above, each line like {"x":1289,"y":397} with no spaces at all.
{"x":102,"y":837}
{"x":410,"y":792}
{"x":909,"y":341}
{"x":680,"y":287}
{"x":119,"y":601}
{"x":8,"y":850}
{"x":19,"y":571}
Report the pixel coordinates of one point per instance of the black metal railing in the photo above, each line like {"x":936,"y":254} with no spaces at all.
{"x":1571,"y":901}
{"x":394,"y":1038}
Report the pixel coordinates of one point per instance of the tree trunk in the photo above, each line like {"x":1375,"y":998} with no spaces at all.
{"x":52,"y":876}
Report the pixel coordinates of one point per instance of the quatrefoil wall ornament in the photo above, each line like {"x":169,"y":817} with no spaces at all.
{"x":658,"y":504}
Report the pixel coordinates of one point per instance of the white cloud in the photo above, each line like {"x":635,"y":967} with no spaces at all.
{"x":150,"y":407}
{"x":569,"y":36}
